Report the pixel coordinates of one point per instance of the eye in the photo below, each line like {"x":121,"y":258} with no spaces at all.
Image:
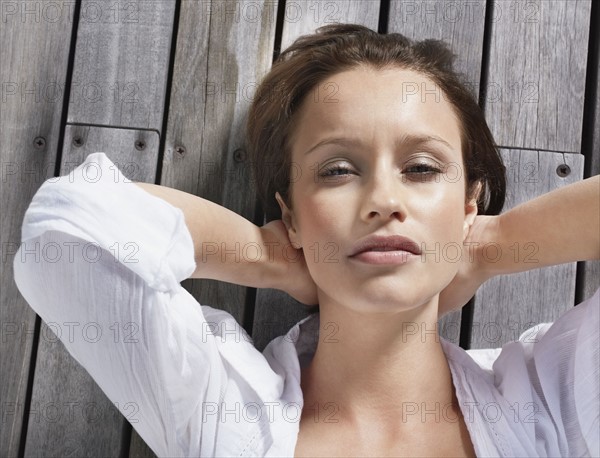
{"x":334,"y":170}
{"x":422,"y":169}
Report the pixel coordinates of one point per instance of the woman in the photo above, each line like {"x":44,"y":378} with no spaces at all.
{"x":392,"y":162}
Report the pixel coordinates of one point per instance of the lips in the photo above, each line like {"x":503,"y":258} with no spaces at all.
{"x":382,"y":243}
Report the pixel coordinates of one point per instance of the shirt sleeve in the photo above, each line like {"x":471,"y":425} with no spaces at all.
{"x":551,"y":377}
{"x":102,"y":254}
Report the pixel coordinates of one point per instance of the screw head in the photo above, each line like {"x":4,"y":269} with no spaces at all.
{"x":39,"y":143}
{"x":140,"y":145}
{"x":563,"y":170}
{"x":77,"y":141}
{"x":239,"y":155}
{"x":180,"y":150}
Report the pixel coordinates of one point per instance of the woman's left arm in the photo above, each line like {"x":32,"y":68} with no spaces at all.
{"x":557,"y":227}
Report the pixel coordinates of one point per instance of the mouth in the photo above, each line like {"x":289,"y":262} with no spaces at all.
{"x":380,"y":249}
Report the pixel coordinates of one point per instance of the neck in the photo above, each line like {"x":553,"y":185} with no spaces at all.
{"x":377,"y":365}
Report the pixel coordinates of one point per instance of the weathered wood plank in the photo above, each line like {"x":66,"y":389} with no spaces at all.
{"x":134,"y":152}
{"x":508,"y":305}
{"x":34,"y":56}
{"x":71,"y":415}
{"x":460,"y":24}
{"x":138,"y":448}
{"x":121,"y":63}
{"x":536,"y":71}
{"x":304,"y":16}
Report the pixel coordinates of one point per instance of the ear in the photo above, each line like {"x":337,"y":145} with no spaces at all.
{"x":471,"y":211}
{"x":289,"y":220}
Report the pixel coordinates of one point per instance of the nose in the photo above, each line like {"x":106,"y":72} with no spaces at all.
{"x":383,"y":198}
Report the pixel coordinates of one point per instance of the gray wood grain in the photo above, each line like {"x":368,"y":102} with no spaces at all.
{"x":508,"y":305}
{"x":302,"y":17}
{"x":536,"y":71}
{"x":74,"y":417}
{"x":69,"y":414}
{"x":134,"y":152}
{"x":460,"y":24}
{"x":138,"y":448}
{"x":34,"y":56}
{"x":121,"y":63}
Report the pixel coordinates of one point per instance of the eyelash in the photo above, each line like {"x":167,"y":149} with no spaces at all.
{"x":327,"y":171}
{"x":423,"y":170}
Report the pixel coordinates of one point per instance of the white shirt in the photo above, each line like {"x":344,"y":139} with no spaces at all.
{"x":103,"y":253}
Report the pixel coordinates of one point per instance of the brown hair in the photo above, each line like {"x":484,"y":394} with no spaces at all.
{"x":333,"y":49}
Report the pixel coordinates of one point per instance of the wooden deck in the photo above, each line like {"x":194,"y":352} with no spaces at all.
{"x":162,"y":88}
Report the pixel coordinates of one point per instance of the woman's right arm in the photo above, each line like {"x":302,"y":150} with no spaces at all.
{"x":96,"y":251}
{"x":229,"y":248}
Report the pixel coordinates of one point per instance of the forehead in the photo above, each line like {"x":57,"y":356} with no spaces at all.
{"x":378,"y":105}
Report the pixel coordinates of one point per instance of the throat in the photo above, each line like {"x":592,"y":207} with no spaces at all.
{"x":378,"y":379}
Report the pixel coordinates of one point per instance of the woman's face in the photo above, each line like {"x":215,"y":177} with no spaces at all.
{"x":378,"y":152}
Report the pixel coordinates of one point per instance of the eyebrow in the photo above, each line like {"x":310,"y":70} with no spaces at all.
{"x":407,"y":139}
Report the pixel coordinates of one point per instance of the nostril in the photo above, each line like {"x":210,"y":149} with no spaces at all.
{"x":394,"y":214}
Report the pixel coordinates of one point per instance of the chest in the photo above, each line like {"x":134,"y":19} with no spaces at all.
{"x":436,"y":439}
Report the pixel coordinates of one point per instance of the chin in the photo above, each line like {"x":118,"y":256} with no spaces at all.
{"x":388,"y":301}
{"x":392,"y":292}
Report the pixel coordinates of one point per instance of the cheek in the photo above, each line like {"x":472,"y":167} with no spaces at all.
{"x":319,"y":211}
{"x":442,"y":212}
{"x":319,"y":231}
{"x":319,"y":218}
